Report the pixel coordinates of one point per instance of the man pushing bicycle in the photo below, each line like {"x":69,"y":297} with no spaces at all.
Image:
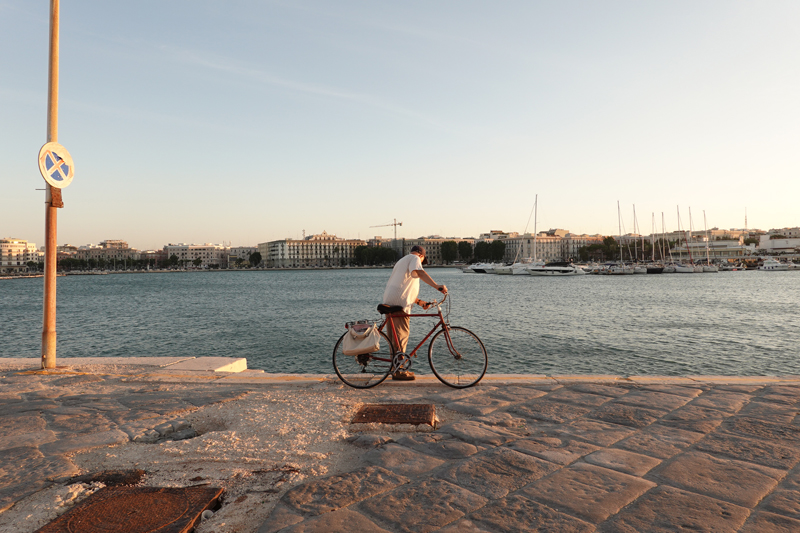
{"x":402,"y":289}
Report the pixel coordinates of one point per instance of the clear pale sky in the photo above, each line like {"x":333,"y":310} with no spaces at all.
{"x":209,"y":121}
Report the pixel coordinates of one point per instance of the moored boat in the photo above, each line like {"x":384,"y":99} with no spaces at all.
{"x":772,"y":264}
{"x":556,"y":269}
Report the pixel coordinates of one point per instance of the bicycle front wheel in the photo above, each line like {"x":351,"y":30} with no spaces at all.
{"x":457,"y":357}
{"x":365,"y":370}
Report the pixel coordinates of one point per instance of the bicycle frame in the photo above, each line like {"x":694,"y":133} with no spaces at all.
{"x":439,"y":323}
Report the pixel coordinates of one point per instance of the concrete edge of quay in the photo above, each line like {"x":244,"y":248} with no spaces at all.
{"x":232,"y":370}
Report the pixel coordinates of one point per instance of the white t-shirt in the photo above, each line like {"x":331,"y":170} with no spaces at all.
{"x":402,"y":288}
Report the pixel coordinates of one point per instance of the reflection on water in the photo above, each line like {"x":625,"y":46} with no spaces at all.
{"x":732,"y":323}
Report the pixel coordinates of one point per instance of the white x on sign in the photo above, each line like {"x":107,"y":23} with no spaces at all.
{"x":56,"y":165}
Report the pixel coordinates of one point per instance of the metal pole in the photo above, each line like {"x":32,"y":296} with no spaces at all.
{"x":51,"y":213}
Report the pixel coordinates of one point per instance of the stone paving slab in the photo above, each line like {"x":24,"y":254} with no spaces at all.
{"x":733,"y":481}
{"x":518,"y":513}
{"x":402,"y":460}
{"x":667,"y":510}
{"x":556,"y":449}
{"x":336,"y":492}
{"x":423,"y":507}
{"x":764,"y":522}
{"x":659,"y":441}
{"x":589,"y":492}
{"x":497,"y":472}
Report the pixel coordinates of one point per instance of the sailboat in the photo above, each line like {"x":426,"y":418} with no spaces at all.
{"x":523,"y":267}
{"x":683,"y":268}
{"x":669,"y":268}
{"x":697,"y":268}
{"x":653,"y":267}
{"x":620,"y":268}
{"x":637,"y":268}
{"x":708,"y":267}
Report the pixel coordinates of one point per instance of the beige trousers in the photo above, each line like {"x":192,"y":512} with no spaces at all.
{"x":402,"y":327}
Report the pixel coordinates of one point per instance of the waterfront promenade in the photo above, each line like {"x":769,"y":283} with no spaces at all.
{"x":515,"y":453}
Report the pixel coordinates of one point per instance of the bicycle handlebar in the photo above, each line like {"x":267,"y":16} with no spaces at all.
{"x":437,"y":303}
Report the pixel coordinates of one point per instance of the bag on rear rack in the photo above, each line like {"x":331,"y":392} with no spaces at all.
{"x":360,"y":339}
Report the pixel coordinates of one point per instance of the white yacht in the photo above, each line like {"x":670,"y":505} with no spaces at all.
{"x":619,"y":270}
{"x":556,"y":269}
{"x":521,"y":269}
{"x":503,"y":269}
{"x":771,"y":263}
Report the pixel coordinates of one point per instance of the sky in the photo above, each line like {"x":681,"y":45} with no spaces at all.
{"x":248,"y":121}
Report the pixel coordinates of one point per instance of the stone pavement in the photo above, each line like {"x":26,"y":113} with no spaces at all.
{"x":517,"y":453}
{"x":44,"y":417}
{"x":572,"y":455}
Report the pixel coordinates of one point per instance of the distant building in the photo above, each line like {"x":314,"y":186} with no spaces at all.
{"x":112,"y":252}
{"x":121,"y":245}
{"x":717,"y":250}
{"x":542,"y":247}
{"x":67,"y":249}
{"x":210,"y":255}
{"x":153,"y":258}
{"x":432,"y":245}
{"x":768,"y":245}
{"x":789,"y":233}
{"x":573,"y":242}
{"x":16,"y":253}
{"x":321,"y":250}
{"x":241,"y":253}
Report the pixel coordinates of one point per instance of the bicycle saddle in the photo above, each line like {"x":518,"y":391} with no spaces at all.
{"x":386,"y":309}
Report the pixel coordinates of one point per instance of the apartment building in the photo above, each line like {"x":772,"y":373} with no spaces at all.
{"x":210,"y":255}
{"x":573,"y":242}
{"x":111,"y":251}
{"x":320,"y":250}
{"x":240,"y":253}
{"x":789,"y":233}
{"x":544,"y":246}
{"x":16,"y":253}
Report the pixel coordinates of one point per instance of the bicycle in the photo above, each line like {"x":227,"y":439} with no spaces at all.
{"x":458,"y":360}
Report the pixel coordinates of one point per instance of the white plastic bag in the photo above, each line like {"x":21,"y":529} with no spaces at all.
{"x":361,"y":338}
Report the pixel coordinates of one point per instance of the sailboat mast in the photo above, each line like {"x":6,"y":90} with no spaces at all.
{"x":664,"y":238}
{"x":691,"y":230}
{"x":535,"y":216}
{"x":619,"y":224}
{"x":635,"y":250}
{"x":653,"y":237}
{"x":522,"y":239}
{"x":685,"y":238}
{"x":705,"y":224}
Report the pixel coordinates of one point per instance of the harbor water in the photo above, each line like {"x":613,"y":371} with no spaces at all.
{"x":727,"y":323}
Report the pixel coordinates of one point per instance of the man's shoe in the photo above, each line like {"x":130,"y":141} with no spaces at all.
{"x":403,"y":375}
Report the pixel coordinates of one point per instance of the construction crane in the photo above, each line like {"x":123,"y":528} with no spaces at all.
{"x":395,"y":224}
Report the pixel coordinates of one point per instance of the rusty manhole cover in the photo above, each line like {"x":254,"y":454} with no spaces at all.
{"x":396,"y":413}
{"x":136,"y":510}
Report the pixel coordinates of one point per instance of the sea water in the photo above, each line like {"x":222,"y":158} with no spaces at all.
{"x":727,"y":323}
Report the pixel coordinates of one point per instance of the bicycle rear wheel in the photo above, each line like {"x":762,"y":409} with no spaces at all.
{"x":461,"y":362}
{"x":366,"y":370}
